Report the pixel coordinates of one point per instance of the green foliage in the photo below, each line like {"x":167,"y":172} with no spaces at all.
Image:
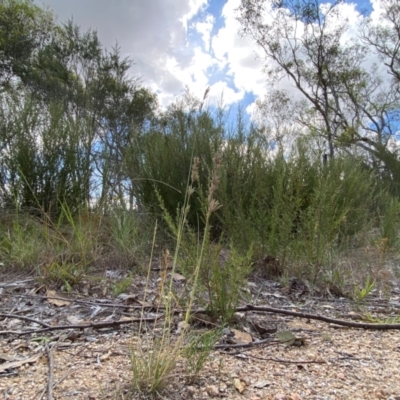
{"x":152,"y":369}
{"x":197,"y":352}
{"x":24,"y":28}
{"x":345,"y":102}
{"x":167,"y":155}
{"x":224,"y":280}
{"x":128,"y":236}
{"x":293,"y":208}
{"x":43,"y":160}
{"x":389,"y":221}
{"x":66,"y":273}
{"x":361,"y":294}
{"x":87,"y":160}
{"x":77,"y":132}
{"x":338,"y":208}
{"x":21,"y":244}
{"x":122,"y":285}
{"x":152,"y":365}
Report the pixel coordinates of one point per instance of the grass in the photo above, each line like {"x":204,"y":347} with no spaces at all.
{"x":65,"y":251}
{"x":361,"y":293}
{"x":154,"y":362}
{"x":122,"y":285}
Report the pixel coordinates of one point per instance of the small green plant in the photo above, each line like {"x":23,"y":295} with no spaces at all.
{"x":153,"y":364}
{"x":127,"y":237}
{"x":224,"y":280}
{"x":375,"y":320}
{"x":64,"y":273}
{"x":20,"y":245}
{"x":122,"y":285}
{"x":74,"y":244}
{"x":336,"y":277}
{"x":392,"y":320}
{"x":197,"y":352}
{"x":154,"y":361}
{"x":361,"y":294}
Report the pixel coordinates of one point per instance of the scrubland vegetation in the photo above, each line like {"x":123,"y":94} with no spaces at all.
{"x":94,"y":173}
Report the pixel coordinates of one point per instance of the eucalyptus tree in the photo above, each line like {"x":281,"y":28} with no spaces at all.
{"x":384,"y":35}
{"x":309,"y":43}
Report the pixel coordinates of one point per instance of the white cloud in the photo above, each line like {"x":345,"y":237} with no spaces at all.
{"x":194,"y":7}
{"x":204,"y":28}
{"x":172,"y":45}
{"x":238,"y":54}
{"x":153,"y":34}
{"x":178,"y":43}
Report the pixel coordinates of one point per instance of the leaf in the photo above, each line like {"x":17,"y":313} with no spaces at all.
{"x":241,"y":337}
{"x":74,"y":320}
{"x":41,"y":339}
{"x":145,"y":303}
{"x":58,"y":302}
{"x":261,"y":384}
{"x":178,"y":277}
{"x":19,"y":363}
{"x":286,"y":337}
{"x":239,"y":385}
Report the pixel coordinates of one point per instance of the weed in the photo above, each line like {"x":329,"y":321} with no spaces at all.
{"x":154,"y":364}
{"x":122,"y":285}
{"x":65,"y":273}
{"x":375,"y":320}
{"x":197,"y":352}
{"x":360,"y":294}
{"x":127,"y":236}
{"x":223,"y":283}
{"x":21,"y":246}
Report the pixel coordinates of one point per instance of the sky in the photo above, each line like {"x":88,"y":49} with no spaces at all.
{"x":180,"y":43}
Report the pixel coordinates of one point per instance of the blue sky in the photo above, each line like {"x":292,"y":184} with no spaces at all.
{"x":179,"y":43}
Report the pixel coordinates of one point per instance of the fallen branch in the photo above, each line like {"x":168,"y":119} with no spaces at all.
{"x":50,"y":381}
{"x":18,"y":363}
{"x":94,"y":325}
{"x":21,"y":317}
{"x":277,"y":359}
{"x":360,"y":325}
{"x":89,"y":303}
{"x":249,"y":307}
{"x":245,"y":345}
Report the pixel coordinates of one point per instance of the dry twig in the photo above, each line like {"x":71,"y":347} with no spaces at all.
{"x":360,"y":325}
{"x":21,"y":317}
{"x":50,"y":381}
{"x":94,"y":325}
